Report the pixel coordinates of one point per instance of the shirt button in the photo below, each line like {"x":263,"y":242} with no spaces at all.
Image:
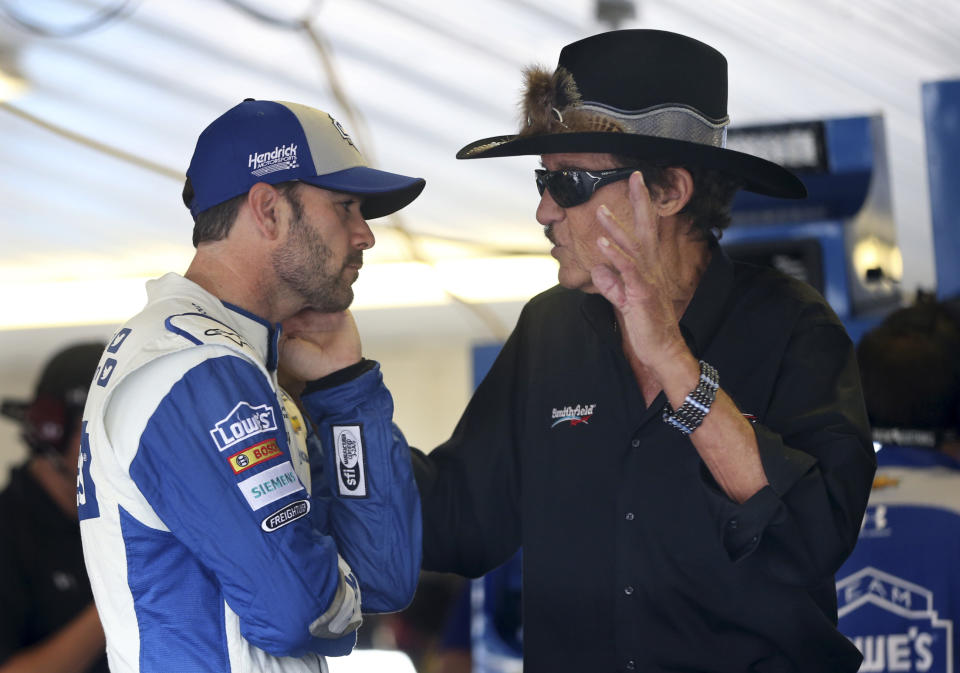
{"x":628,"y":516}
{"x":635,"y":443}
{"x":733,"y":523}
{"x":628,"y":590}
{"x":631,"y":665}
{"x":754,"y":539}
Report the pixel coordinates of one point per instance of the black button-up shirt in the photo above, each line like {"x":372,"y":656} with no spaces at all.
{"x":633,"y":557}
{"x":43,"y":580}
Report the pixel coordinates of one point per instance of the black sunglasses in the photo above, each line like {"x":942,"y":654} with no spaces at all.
{"x":571,"y":187}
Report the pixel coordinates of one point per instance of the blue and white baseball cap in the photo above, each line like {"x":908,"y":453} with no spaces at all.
{"x":276,"y":141}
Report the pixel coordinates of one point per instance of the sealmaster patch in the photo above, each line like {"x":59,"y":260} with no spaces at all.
{"x":351,"y":461}
{"x":244,"y":460}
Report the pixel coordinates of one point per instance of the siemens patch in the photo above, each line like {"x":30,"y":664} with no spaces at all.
{"x":256,"y":454}
{"x":270,"y":485}
{"x":351,"y":461}
{"x":243,"y":422}
{"x":290,"y":513}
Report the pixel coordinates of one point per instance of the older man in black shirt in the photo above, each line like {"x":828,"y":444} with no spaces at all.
{"x":678,"y":442}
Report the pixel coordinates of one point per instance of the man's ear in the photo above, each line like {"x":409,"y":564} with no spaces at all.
{"x":265,"y":203}
{"x":676,"y":193}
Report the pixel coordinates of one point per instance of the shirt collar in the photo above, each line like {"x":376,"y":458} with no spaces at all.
{"x":707,"y":309}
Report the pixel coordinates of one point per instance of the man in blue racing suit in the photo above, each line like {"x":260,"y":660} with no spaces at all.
{"x":898,"y":594}
{"x":222,"y":530}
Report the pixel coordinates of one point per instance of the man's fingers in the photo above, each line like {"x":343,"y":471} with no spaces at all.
{"x":613,"y":229}
{"x":621,"y":261}
{"x":644,"y":216}
{"x":609,"y":284}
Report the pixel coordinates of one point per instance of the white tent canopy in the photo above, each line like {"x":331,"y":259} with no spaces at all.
{"x":97,"y":127}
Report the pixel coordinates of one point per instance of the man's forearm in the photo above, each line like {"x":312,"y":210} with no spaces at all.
{"x":725,"y":441}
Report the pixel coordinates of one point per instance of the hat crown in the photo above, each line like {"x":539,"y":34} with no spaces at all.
{"x":641,"y":69}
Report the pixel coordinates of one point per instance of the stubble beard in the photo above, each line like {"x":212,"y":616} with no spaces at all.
{"x":302,"y":264}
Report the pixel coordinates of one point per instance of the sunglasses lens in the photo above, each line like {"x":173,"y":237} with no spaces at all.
{"x":566,"y":188}
{"x":541,"y":181}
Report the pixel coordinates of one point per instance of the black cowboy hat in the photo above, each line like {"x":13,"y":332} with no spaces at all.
{"x":648,"y":94}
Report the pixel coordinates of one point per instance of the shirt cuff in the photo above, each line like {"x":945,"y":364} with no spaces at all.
{"x":339,"y":377}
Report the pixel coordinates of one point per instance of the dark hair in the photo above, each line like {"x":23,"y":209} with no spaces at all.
{"x":214,"y":223}
{"x":713,"y":191}
{"x":910,"y":369}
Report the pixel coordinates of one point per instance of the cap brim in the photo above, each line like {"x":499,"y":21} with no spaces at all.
{"x":759,"y":175}
{"x":384,"y":193}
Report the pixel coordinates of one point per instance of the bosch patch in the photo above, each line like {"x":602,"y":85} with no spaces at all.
{"x":256,"y":454}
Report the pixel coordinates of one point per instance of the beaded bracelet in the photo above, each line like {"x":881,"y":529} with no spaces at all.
{"x":694,"y":409}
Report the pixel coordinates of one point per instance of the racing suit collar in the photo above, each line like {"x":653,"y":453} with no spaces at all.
{"x":269,"y":347}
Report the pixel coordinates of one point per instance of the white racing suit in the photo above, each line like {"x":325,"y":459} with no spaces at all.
{"x":220,"y":533}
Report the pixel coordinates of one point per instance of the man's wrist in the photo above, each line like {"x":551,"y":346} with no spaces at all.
{"x":340,"y":376}
{"x":678,"y":374}
{"x":697,"y":403}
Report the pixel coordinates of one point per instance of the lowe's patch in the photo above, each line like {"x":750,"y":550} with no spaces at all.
{"x":351,"y":461}
{"x":295,"y":510}
{"x":270,"y":485}
{"x":244,"y":421}
{"x":256,"y":454}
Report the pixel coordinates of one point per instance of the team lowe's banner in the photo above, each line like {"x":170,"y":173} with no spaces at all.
{"x":894,"y":623}
{"x":898,"y":595}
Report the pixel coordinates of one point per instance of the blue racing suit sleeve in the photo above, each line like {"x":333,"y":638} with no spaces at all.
{"x":367,"y":488}
{"x":214,"y":464}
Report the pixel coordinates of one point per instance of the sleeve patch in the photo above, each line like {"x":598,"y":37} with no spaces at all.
{"x":244,"y":421}
{"x":351,"y":461}
{"x":254,"y":455}
{"x":270,"y":485}
{"x":295,"y":510}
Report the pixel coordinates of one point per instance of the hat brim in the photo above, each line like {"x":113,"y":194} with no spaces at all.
{"x":384,"y":193}
{"x":759,"y":175}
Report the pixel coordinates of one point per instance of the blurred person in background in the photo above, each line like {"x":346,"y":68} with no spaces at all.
{"x":899,"y":592}
{"x":223,"y":528}
{"x":48,"y":622}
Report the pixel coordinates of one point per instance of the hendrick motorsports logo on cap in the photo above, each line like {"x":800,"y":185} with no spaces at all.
{"x":280,"y":158}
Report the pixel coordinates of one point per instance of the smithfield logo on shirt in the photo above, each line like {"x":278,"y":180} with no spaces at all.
{"x":270,"y":485}
{"x":280,"y":158}
{"x":254,"y":455}
{"x":243,"y":422}
{"x":893,"y":623}
{"x":351,"y":462}
{"x":289,"y":514}
{"x":573,"y":415}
